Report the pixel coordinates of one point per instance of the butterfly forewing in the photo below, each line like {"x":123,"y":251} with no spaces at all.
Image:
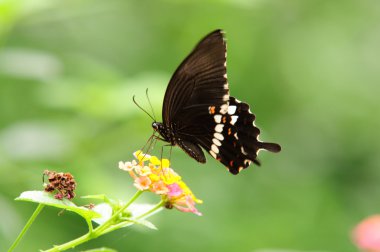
{"x":199,"y":80}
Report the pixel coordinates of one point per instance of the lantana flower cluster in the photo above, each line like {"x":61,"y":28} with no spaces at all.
{"x":155,"y":175}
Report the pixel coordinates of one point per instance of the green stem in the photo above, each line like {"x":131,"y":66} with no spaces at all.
{"x":144,"y":215}
{"x":71,"y":244}
{"x":151,"y":211}
{"x":92,"y":234}
{"x":26,"y":227}
{"x":89,"y":224}
{"x":117,"y":226}
{"x":109,"y":222}
{"x":107,"y":226}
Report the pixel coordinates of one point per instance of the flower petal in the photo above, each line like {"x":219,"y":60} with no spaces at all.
{"x":165,"y":163}
{"x":159,"y":187}
{"x":141,"y":156}
{"x":143,"y":170}
{"x":174,"y":190}
{"x":142,"y":183}
{"x":154,"y":160}
{"x":126,"y":166}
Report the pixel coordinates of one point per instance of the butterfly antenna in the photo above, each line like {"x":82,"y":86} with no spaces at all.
{"x":142,"y":108}
{"x":150,"y":104}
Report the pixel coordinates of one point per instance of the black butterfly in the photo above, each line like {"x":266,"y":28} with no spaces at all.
{"x":198,"y":110}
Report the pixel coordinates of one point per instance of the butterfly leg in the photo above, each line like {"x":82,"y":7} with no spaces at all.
{"x":151,"y":142}
{"x":162,"y":150}
{"x":148,"y":143}
{"x":159,"y":138}
{"x":170,"y":153}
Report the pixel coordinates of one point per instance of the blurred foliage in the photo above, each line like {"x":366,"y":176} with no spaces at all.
{"x":310,"y":70}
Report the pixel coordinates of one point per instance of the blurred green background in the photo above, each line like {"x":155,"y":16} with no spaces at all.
{"x":309,"y":69}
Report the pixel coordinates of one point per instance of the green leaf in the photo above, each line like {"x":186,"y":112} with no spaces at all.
{"x":100,"y":250}
{"x":48,"y":199}
{"x":139,"y":209}
{"x":103,"y":209}
{"x":102,"y":197}
{"x":145,"y":223}
{"x":95,"y":196}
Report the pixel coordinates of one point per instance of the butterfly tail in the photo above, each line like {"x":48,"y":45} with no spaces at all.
{"x":272,"y":147}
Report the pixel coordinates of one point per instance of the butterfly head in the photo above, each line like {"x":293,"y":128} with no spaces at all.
{"x":163,"y":131}
{"x":156,"y":126}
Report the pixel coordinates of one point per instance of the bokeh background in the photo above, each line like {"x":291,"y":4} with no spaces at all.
{"x":309,"y":69}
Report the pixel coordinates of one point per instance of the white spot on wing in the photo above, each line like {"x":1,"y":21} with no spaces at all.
{"x":212,"y":154}
{"x":215,"y":149}
{"x":223,"y":109}
{"x":236,"y":136}
{"x":225,"y":76}
{"x":219,"y":136}
{"x":226,"y":97}
{"x":243,"y":151}
{"x":234,"y":119}
{"x":219,"y":128}
{"x":247,"y":162}
{"x":226,"y":86}
{"x":216,"y":142}
{"x":217,"y":118}
{"x":231,"y":109}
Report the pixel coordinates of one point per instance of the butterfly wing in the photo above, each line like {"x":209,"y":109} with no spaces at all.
{"x":230,"y":137}
{"x":199,"y":79}
{"x":199,"y":111}
{"x":234,"y":141}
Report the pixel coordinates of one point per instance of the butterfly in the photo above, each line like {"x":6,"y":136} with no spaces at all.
{"x":198,"y":111}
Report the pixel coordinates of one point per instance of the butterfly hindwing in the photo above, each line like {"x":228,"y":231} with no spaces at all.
{"x":193,"y":150}
{"x":233,"y":138}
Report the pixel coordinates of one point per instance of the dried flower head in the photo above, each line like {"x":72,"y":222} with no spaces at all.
{"x":62,"y":184}
{"x":155,"y":175}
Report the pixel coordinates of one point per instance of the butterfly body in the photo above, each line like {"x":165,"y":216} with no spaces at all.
{"x":198,"y":111}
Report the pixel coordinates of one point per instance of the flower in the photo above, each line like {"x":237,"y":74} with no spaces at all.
{"x":143,"y":170}
{"x":366,"y":234}
{"x":187,"y":204}
{"x":142,"y":183}
{"x":127,"y":166}
{"x":174,"y":190}
{"x":159,"y":178}
{"x":159,"y":187}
